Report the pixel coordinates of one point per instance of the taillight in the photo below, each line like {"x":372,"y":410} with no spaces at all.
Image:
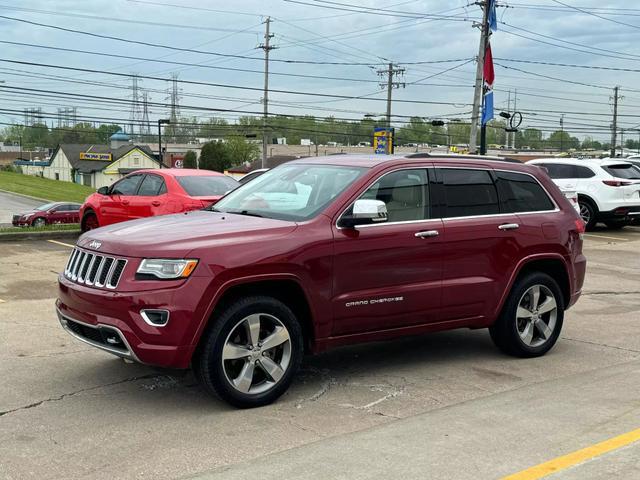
{"x":581,"y":227}
{"x":616,"y":183}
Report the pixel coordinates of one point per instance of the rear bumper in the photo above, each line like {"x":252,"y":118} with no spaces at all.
{"x":623,"y":213}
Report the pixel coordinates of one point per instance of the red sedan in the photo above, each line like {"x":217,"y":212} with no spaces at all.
{"x":147,"y":193}
{"x":49,"y":213}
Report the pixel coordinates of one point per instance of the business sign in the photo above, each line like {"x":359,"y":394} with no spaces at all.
{"x":177,"y":161}
{"x":383,"y":140}
{"x":103,"y":157}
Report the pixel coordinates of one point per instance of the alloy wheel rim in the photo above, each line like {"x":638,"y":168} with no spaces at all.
{"x":256,"y":353}
{"x":536,"y":316}
{"x":39,"y":222}
{"x":585,"y":213}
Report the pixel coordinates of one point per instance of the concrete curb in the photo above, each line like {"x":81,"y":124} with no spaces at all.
{"x":26,"y":196}
{"x":34,"y":236}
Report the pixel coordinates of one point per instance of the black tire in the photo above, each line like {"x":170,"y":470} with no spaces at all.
{"x":588,"y":213}
{"x":39,"y":222}
{"x":616,"y":224}
{"x":208,"y":364}
{"x":89,"y":222}
{"x":504,"y":332}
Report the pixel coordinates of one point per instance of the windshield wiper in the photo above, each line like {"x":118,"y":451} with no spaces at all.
{"x":244,"y":212}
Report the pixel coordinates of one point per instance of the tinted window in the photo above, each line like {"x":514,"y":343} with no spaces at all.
{"x":73,"y":207}
{"x":204,"y":186}
{"x":151,"y":185}
{"x":558,"y":170}
{"x":126,"y":186}
{"x":623,"y":171}
{"x":405,"y":193}
{"x":46,"y":206}
{"x":522,"y":193}
{"x":584,"y":172}
{"x":469,"y":192}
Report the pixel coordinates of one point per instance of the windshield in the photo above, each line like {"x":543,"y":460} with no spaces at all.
{"x":46,"y":206}
{"x":290,"y":192}
{"x":207,"y":185}
{"x":624,"y":170}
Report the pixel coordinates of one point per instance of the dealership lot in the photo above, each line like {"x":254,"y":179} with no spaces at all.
{"x":447,"y":405}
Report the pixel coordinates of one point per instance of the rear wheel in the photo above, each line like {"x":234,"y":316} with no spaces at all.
{"x":531,"y":319}
{"x":252,"y":352}
{"x":39,"y":222}
{"x":588,"y":213}
{"x":89,"y":222}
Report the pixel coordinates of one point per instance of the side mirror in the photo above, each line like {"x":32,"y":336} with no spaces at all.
{"x":365,"y":212}
{"x":103,"y":190}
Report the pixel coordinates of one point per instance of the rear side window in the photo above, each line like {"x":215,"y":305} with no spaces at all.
{"x":584,"y":172}
{"x":152,"y":185}
{"x":623,"y":170}
{"x":559,"y":170}
{"x":206,"y":185}
{"x":522,"y":193}
{"x":469,"y":193}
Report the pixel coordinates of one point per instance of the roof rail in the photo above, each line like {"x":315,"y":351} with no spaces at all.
{"x":463,"y":157}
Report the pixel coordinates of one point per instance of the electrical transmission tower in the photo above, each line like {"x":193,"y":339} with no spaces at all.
{"x":67,"y":117}
{"x":267,"y":47}
{"x":145,"y":128}
{"x":174,"y":102}
{"x":32,"y":116}
{"x":135,"y":117}
{"x":390,"y":72}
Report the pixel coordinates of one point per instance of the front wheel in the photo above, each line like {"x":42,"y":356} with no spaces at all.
{"x":39,"y":222}
{"x":588,"y":214}
{"x":531,"y":319}
{"x":90,"y":222}
{"x":252,"y":352}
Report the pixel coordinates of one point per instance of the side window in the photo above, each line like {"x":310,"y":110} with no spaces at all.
{"x":469,"y":193}
{"x":559,"y":170}
{"x":151,"y":186}
{"x":522,"y":193}
{"x":405,"y":193}
{"x":126,"y":186}
{"x":584,"y":172}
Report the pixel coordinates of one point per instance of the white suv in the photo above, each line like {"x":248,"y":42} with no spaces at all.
{"x":608,"y":189}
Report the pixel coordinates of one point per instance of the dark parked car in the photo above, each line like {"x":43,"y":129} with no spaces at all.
{"x":329,"y":251}
{"x":50,"y":213}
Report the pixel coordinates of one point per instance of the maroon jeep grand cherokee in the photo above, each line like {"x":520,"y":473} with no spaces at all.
{"x":329,"y":251}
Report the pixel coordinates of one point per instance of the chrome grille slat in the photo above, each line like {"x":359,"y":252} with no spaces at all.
{"x":93,"y":269}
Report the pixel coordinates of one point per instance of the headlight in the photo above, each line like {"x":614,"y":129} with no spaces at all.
{"x":167,"y":268}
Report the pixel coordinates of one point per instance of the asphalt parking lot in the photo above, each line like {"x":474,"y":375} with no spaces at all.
{"x":11,"y":204}
{"x":447,"y":405}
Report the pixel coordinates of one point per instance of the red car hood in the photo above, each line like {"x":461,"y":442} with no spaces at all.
{"x":174,"y":236}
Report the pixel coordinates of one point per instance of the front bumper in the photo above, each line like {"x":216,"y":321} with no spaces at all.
{"x":95,"y":315}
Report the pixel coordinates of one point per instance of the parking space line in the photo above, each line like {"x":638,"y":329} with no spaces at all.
{"x":61,"y":243}
{"x":577,"y":457}
{"x":620,"y":239}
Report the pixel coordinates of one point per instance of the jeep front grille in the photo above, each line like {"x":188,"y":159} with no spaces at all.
{"x":94,"y":269}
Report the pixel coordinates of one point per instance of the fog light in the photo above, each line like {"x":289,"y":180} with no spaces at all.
{"x":155,"y":318}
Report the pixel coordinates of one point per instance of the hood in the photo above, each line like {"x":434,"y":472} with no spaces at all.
{"x":174,"y":236}
{"x":30,"y":212}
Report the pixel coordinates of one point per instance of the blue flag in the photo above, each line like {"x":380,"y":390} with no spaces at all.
{"x":487,"y":110}
{"x":493,"y":20}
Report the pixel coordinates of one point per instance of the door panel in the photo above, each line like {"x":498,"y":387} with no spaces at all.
{"x":150,"y":198}
{"x":115,"y":207}
{"x":388,"y":275}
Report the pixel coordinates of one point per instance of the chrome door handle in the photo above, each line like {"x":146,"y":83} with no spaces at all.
{"x":508,"y":226}
{"x":427,"y":234}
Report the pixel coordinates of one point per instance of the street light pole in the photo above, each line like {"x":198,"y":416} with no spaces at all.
{"x":161,"y":121}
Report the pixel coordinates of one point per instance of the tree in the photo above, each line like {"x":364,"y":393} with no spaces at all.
{"x":240,"y":151}
{"x":214,"y":156}
{"x":190,"y":159}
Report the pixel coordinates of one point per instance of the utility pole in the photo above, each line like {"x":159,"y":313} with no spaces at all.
{"x":614,"y":125}
{"x":508,"y":134}
{"x":561,"y":133}
{"x":515,"y":109}
{"x":391,"y":71}
{"x":477,"y":92}
{"x":265,"y":96}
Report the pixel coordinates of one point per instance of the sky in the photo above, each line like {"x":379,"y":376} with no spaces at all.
{"x":434,"y":42}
